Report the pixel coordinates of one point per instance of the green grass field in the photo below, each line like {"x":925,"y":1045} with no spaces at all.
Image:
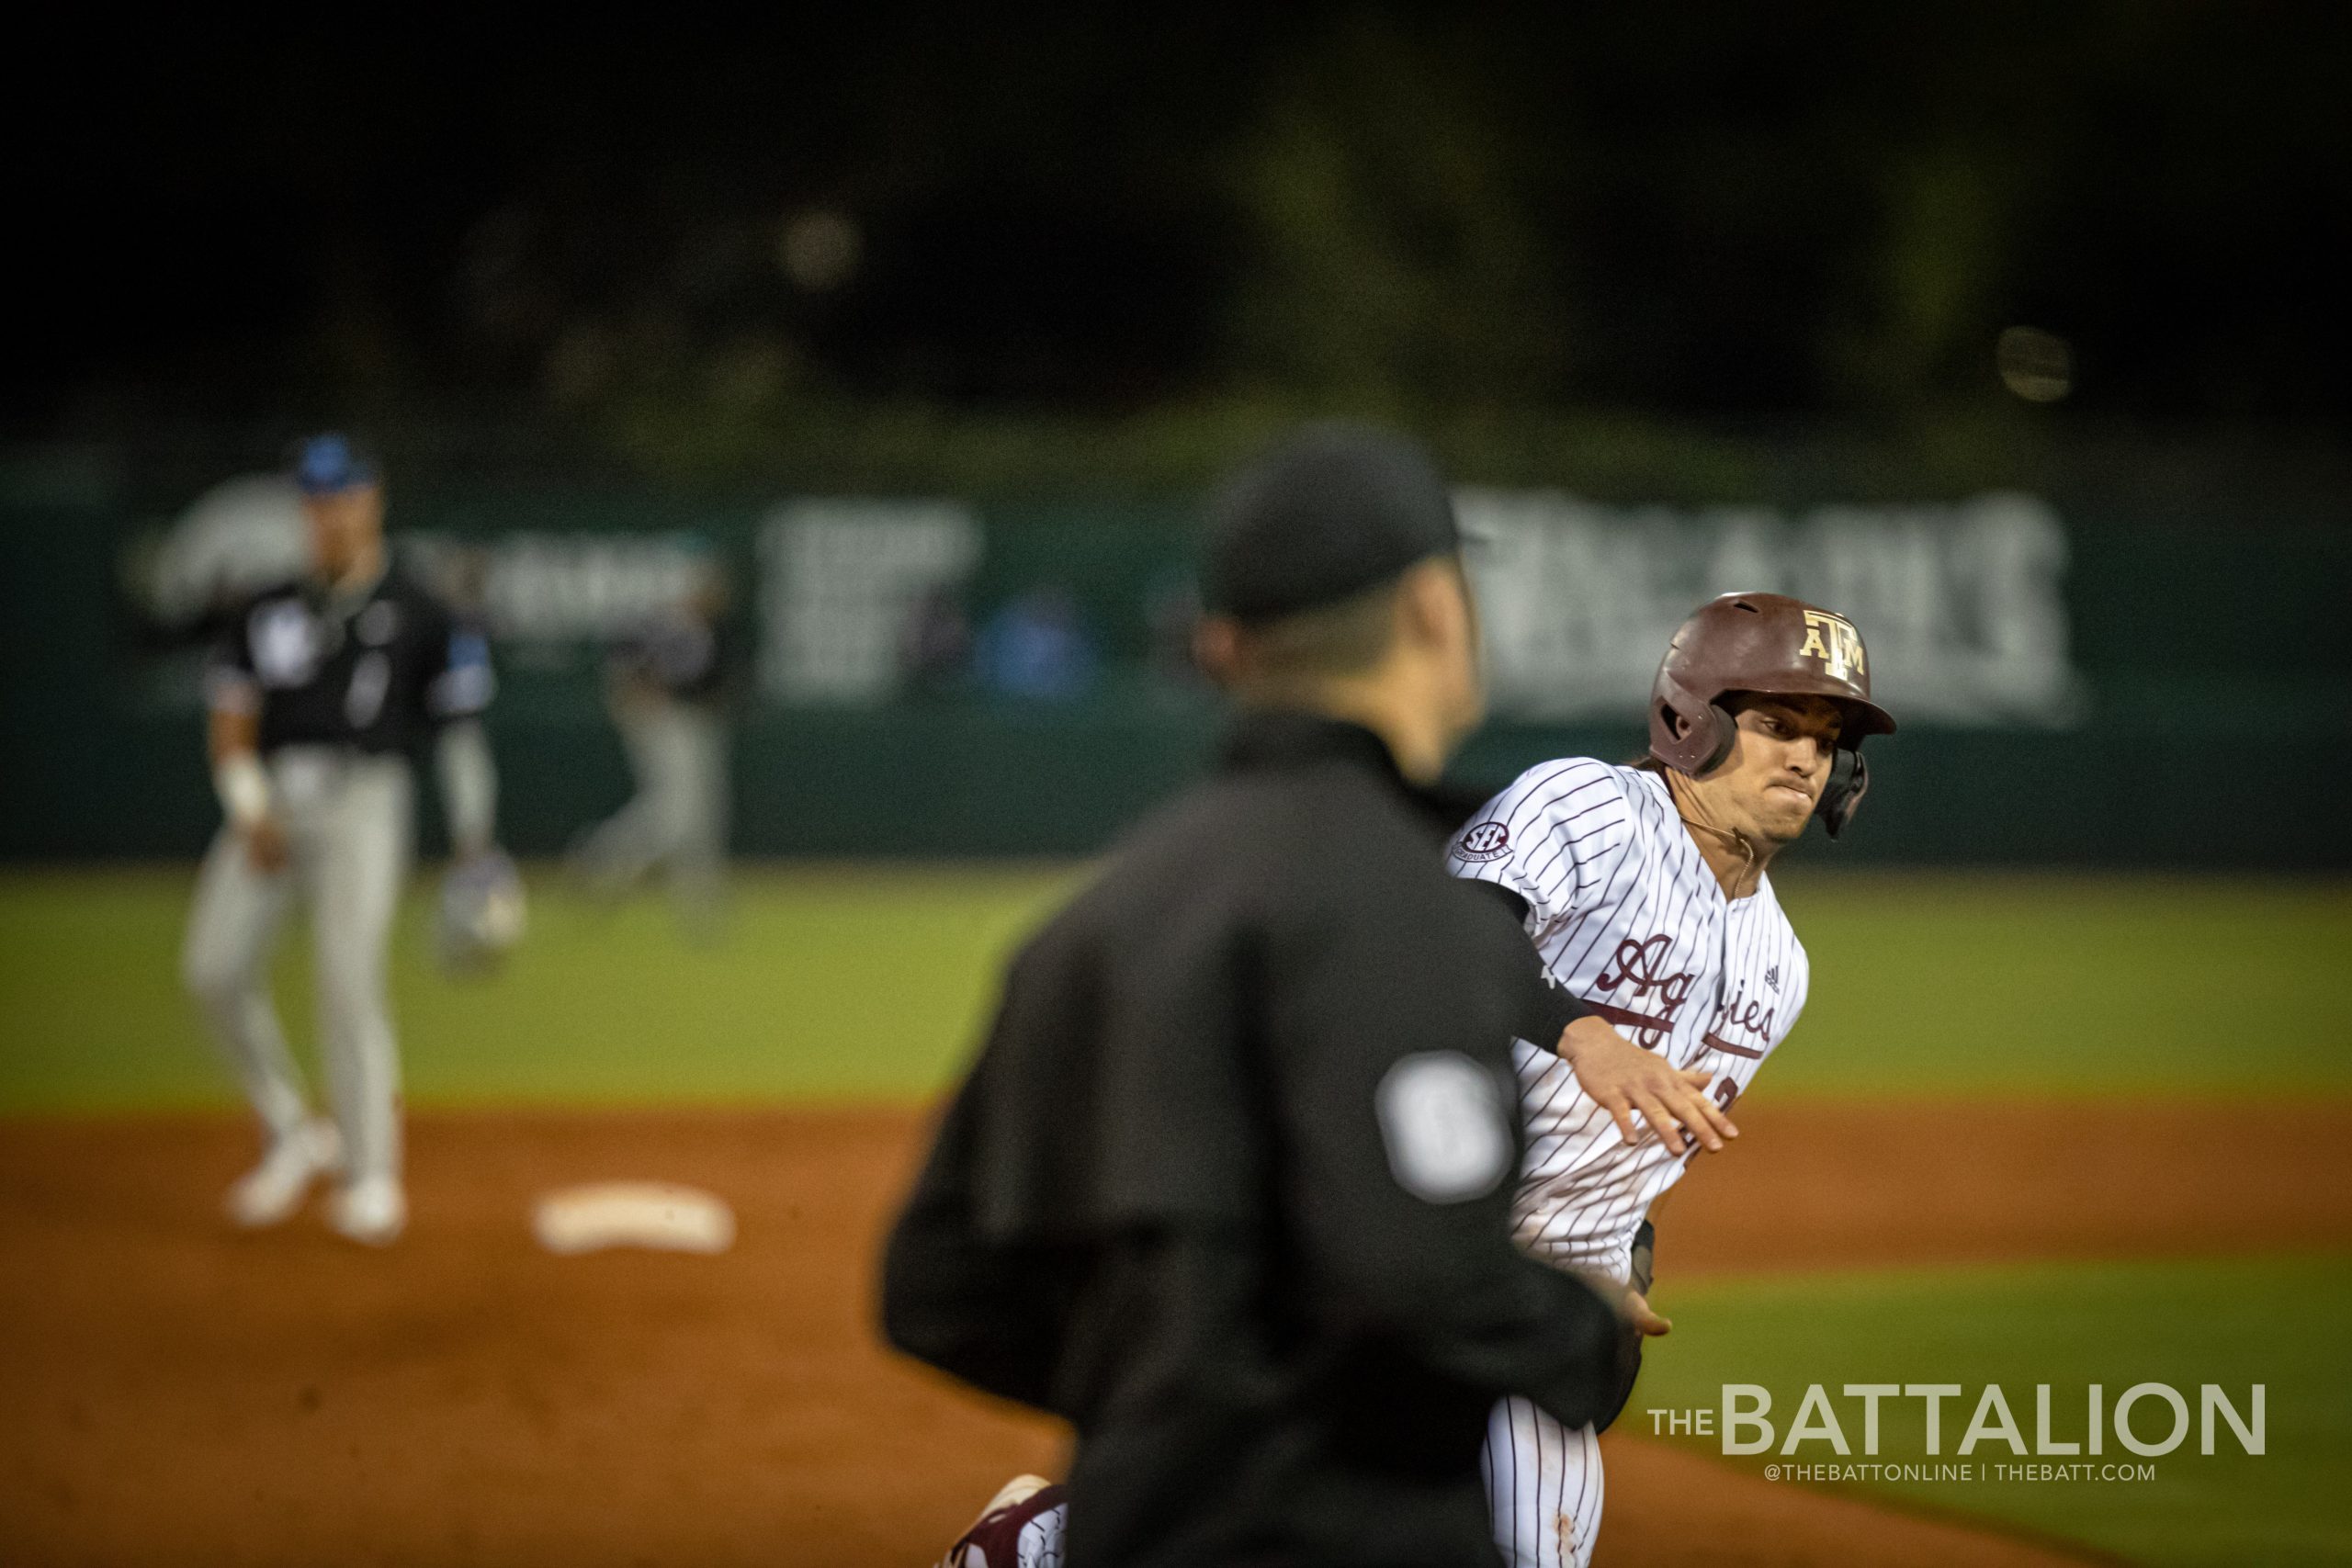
{"x":2286,"y":1324}
{"x":855,"y":983}
{"x":868,"y":983}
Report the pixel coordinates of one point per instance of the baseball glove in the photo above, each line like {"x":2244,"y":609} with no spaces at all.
{"x":483,"y":913}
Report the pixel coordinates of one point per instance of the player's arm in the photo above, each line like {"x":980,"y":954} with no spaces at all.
{"x":1401,"y":1141}
{"x":1611,"y":1070}
{"x":971,"y":1303}
{"x":468,"y":779}
{"x":1545,"y":1008}
{"x":458,"y":692}
{"x":988,"y":1313}
{"x":481,"y":895}
{"x":1554,"y":836}
{"x":233,"y":744}
{"x":1624,"y":1079}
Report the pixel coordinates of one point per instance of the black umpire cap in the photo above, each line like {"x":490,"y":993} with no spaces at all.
{"x":1337,"y":508}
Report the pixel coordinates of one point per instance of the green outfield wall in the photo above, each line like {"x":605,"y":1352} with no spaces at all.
{"x":2092,"y":670}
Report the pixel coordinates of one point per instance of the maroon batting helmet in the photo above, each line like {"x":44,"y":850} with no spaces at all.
{"x":1772,"y":644}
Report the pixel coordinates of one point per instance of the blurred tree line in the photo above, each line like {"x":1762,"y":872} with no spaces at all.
{"x":893,"y":228}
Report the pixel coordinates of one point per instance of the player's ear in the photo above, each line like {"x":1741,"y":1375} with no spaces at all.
{"x":1217,"y":649}
{"x":1432,"y":604}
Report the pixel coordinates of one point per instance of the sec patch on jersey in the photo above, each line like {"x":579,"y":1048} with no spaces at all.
{"x":1483,"y":841}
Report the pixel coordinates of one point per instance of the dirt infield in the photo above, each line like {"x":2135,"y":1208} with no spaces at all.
{"x":172,"y":1391}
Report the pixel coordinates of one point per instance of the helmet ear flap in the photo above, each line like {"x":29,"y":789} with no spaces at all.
{"x":1722,"y":728}
{"x":1850,"y":780}
{"x":1704,"y":736}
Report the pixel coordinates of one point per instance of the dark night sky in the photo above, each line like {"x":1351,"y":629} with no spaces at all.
{"x":1688,"y":211}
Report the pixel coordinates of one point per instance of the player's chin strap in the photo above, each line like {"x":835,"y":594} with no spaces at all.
{"x":1680,"y":793}
{"x":1850,"y":780}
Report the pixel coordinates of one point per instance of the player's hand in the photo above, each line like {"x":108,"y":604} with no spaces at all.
{"x":1637,"y":1312}
{"x":266,"y":845}
{"x":1624,"y":1078}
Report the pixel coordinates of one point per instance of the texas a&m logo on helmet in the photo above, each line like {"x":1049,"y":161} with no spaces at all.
{"x":1834,"y":641}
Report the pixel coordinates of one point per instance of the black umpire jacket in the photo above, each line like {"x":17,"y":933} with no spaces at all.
{"x":1230,"y":1186}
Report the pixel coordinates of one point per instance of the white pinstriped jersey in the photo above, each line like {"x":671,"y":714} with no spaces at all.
{"x":1630,"y":919}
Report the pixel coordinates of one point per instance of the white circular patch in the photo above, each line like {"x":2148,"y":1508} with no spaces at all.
{"x":1442,"y":1118}
{"x":285,"y":643}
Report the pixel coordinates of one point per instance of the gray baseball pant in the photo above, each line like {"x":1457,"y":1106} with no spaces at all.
{"x":677,"y":751}
{"x":348,"y":822}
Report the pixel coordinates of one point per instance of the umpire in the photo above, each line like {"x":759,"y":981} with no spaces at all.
{"x":1228,"y":1187}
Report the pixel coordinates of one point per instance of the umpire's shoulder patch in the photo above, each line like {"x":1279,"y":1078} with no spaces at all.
{"x":1483,"y":841}
{"x":1445,"y":1125}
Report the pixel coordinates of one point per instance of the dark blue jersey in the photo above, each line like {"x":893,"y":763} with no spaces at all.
{"x":377,"y":670}
{"x":685,"y":655}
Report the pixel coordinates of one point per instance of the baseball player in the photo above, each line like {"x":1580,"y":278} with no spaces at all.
{"x":1645,"y":890}
{"x":668,"y":684}
{"x":318,"y":694}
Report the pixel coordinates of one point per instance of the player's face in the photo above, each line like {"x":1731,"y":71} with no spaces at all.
{"x":346,"y":526}
{"x":1778,"y":765}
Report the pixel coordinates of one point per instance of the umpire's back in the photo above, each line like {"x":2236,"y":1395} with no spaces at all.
{"x":1228,"y":1186}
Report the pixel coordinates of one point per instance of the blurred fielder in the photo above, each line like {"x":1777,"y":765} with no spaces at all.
{"x":668,"y":689}
{"x":318,"y":694}
{"x":1644,"y":889}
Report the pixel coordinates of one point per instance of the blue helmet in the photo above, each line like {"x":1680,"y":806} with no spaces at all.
{"x":326,"y":464}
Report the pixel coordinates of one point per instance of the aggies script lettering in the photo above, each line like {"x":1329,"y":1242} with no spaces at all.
{"x":1636,"y":964}
{"x":1744,"y":1012}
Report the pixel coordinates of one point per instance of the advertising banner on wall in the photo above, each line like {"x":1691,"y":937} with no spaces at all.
{"x":1961,"y":604}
